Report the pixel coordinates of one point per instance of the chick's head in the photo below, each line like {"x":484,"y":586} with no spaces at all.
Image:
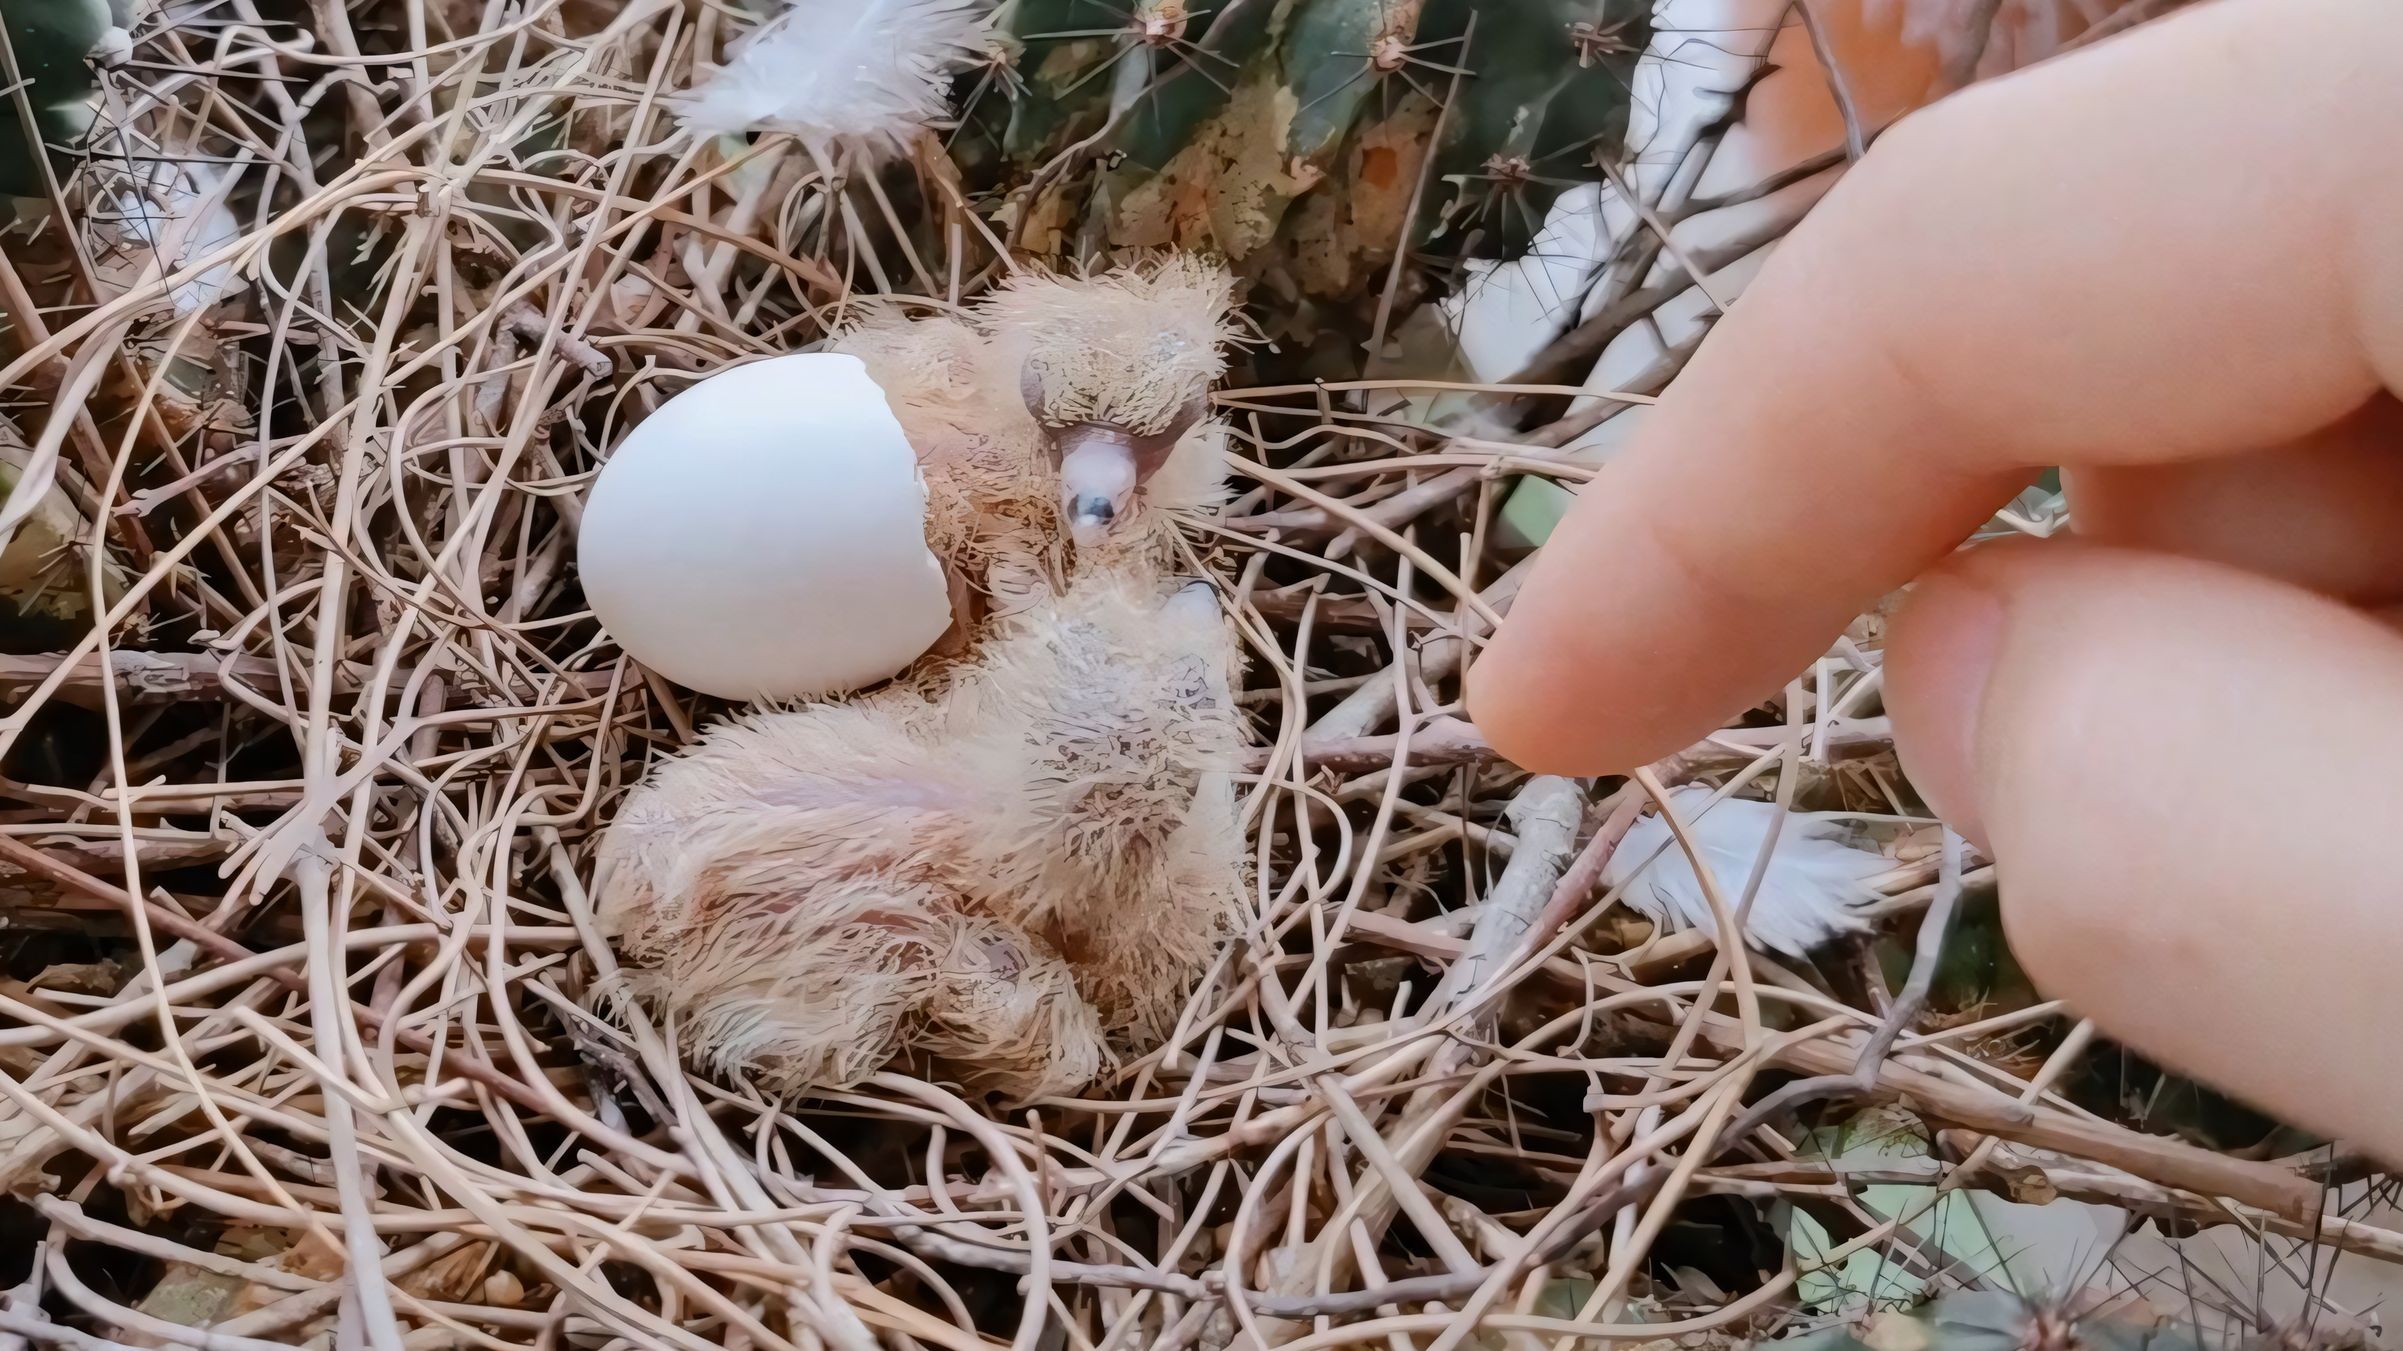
{"x":1117,"y":369}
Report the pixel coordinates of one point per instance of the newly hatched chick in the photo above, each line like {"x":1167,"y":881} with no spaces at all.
{"x":1059,"y":405}
{"x":998,"y":883}
{"x":1811,"y":894}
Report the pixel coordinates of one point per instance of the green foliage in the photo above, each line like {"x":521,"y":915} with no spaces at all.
{"x":52,"y":42}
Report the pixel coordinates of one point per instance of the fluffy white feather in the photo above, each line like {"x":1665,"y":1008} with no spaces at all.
{"x":1815,"y":884}
{"x":175,"y":214}
{"x":864,"y":72}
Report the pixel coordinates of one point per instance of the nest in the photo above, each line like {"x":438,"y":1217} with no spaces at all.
{"x":312,"y":1032}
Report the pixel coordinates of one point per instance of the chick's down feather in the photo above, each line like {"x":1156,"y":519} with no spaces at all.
{"x":1000,"y":882}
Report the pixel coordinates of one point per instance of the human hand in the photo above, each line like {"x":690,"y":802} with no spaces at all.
{"x":2172,"y":264}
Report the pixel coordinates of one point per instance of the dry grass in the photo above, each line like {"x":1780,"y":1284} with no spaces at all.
{"x":349,"y":1056}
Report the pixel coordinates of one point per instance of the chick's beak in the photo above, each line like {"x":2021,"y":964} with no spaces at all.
{"x":1089,"y":519}
{"x":1097,"y":487}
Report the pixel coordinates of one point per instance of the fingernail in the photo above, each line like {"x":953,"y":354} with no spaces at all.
{"x":1939,"y":657}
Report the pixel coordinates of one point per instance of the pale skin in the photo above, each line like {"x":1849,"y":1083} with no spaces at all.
{"x":2173,"y":265}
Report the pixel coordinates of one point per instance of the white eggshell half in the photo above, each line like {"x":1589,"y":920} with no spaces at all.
{"x":763,"y":535}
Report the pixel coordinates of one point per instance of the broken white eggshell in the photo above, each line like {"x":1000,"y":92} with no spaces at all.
{"x":763,"y":535}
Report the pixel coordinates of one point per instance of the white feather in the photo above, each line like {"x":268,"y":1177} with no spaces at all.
{"x":864,"y":72}
{"x":178,"y":214}
{"x":1812,"y":892}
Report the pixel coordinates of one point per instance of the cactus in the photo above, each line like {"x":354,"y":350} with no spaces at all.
{"x":45,"y":588}
{"x":1293,"y":136}
{"x":50,"y":43}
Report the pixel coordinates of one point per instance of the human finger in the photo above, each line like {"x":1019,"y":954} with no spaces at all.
{"x":2324,"y":512}
{"x":2185,"y":770}
{"x":2127,"y":256}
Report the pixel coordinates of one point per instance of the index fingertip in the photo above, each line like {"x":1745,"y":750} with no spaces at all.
{"x":1571,"y":684}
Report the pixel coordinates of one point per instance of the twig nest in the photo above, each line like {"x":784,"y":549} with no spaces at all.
{"x":763,"y":536}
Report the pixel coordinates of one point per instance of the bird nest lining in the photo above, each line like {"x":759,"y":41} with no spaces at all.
{"x":312,"y":1022}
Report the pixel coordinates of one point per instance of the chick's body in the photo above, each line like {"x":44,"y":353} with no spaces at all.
{"x":1001,"y":881}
